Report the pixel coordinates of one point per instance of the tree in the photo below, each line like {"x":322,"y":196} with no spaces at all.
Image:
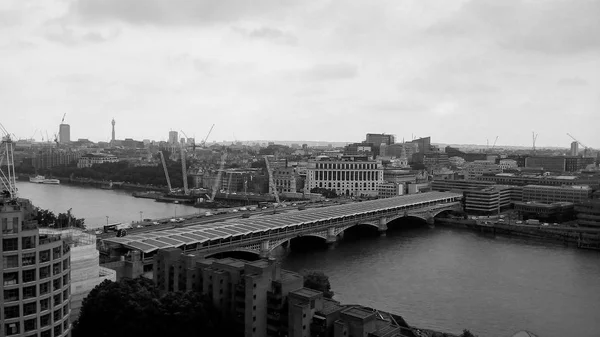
{"x":47,"y":218}
{"x":317,"y":280}
{"x":467,"y":333}
{"x":135,"y":308}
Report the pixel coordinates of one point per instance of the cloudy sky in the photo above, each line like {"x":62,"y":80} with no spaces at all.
{"x":333,"y":70}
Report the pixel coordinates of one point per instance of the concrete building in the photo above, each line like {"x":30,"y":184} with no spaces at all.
{"x":90,"y":159}
{"x":380,"y":138}
{"x":480,"y":167}
{"x":51,"y":157}
{"x":346,"y":177}
{"x":64,"y":133}
{"x":574,"y":148}
{"x":360,"y":149}
{"x":554,"y":212}
{"x":552,"y":194}
{"x":491,"y":199}
{"x":286,"y":179}
{"x":35,"y":276}
{"x":388,"y":190}
{"x":558,"y":163}
{"x":86,"y":272}
{"x":424,"y":144}
{"x":588,"y":213}
{"x":253,"y":293}
{"x":508,"y":164}
{"x":523,"y":179}
{"x":460,"y":185}
{"x":173,"y":136}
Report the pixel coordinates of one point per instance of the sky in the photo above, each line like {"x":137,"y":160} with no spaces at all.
{"x":460,"y":71}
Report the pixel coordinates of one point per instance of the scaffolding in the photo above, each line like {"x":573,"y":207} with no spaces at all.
{"x":73,"y":236}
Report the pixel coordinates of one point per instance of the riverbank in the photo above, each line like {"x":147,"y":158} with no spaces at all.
{"x":102,"y":184}
{"x":584,"y":238}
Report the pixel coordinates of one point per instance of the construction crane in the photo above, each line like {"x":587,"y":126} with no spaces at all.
{"x":205,"y":138}
{"x":493,"y":146}
{"x":164,"y":164}
{"x":56,"y":140}
{"x":534,"y":136}
{"x":219,"y":175}
{"x":272,"y":186}
{"x":229,"y":184}
{"x":186,"y":191}
{"x":193,"y":143}
{"x":585,"y":148}
{"x":8,"y":181}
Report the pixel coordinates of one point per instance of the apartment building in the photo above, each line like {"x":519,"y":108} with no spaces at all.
{"x":35,"y":276}
{"x":346,"y":177}
{"x":388,"y":190}
{"x":551,"y":194}
{"x":90,"y":159}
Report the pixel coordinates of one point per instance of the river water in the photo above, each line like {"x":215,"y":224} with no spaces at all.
{"x":444,"y":279}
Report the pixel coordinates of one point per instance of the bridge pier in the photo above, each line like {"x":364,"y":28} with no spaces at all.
{"x":382,"y":226}
{"x":331,"y":238}
{"x":265,"y":250}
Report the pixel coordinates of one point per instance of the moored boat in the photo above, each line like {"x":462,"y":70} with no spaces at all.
{"x":43,"y":180}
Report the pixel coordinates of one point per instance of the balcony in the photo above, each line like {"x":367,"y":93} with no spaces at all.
{"x":29,"y":225}
{"x":44,"y":240}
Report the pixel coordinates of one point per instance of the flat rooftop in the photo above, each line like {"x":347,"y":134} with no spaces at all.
{"x":305,"y":292}
{"x":203,"y":232}
{"x":358,"y":312}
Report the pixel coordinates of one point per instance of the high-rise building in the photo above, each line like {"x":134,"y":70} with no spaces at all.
{"x":35,"y":275}
{"x":574,"y":148}
{"x":380,"y":138}
{"x":113,"y":130}
{"x":64,"y":133}
{"x":173,"y":137}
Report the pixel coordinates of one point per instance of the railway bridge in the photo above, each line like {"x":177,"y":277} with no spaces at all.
{"x":262,"y":234}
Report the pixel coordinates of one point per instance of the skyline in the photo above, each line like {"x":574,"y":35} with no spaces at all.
{"x":284,"y":70}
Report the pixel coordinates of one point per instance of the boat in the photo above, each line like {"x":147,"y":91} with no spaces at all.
{"x":43,"y":180}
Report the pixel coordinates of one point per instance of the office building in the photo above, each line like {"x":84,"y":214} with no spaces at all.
{"x":346,"y":177}
{"x":286,"y":179}
{"x":460,"y":185}
{"x":559,"y":164}
{"x":388,"y":190}
{"x":90,"y":159}
{"x":380,"y":138}
{"x":253,"y":293}
{"x":64,"y":133}
{"x":491,"y":199}
{"x":522,"y":180}
{"x":424,"y":144}
{"x":360,"y":149}
{"x":554,"y":212}
{"x":508,"y":164}
{"x":574,"y":148}
{"x":35,"y":275}
{"x":588,"y":213}
{"x":173,"y":136}
{"x":552,"y":194}
{"x":480,"y":167}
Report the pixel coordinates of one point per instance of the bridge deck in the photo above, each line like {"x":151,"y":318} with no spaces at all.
{"x":194,"y":234}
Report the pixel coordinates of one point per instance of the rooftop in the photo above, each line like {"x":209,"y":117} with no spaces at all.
{"x":330,"y":306}
{"x":358,"y":312}
{"x":306,"y":292}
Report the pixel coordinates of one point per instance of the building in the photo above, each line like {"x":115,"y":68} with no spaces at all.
{"x":574,"y":148}
{"x":360,"y":149}
{"x":394,"y":175}
{"x":51,"y":157}
{"x":491,"y":199}
{"x":112,"y":139}
{"x":90,"y":159}
{"x":559,"y":164}
{"x":253,"y":293}
{"x":588,"y":213}
{"x":552,"y":194}
{"x":480,"y":167}
{"x":522,"y":180}
{"x":424,"y":144}
{"x":346,"y":177}
{"x":286,"y":179}
{"x":554,"y":212}
{"x":508,"y":164}
{"x":460,"y":185}
{"x":380,"y":138}
{"x":64,"y":133}
{"x":173,"y":137}
{"x":388,"y":190}
{"x":35,"y":276}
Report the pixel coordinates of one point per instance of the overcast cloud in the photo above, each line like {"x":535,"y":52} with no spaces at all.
{"x":459,"y":71}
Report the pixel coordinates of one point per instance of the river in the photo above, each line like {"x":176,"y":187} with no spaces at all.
{"x":444,"y":279}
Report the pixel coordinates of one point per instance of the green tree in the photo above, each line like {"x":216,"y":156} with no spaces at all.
{"x":46,"y":218}
{"x":467,"y":333}
{"x":317,"y":280}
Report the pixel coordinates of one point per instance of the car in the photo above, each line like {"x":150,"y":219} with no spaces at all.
{"x":164,"y":221}
{"x":264,"y":207}
{"x":234,"y":210}
{"x":180,"y":220}
{"x":519,"y":222}
{"x":173,"y":220}
{"x":243,"y":209}
{"x":207,"y":214}
{"x":156,"y":223}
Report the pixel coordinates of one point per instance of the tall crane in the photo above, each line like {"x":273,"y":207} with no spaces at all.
{"x":8,"y":183}
{"x":272,"y":186}
{"x":585,"y":148}
{"x":193,"y":143}
{"x":186,"y":191}
{"x":219,"y":175}
{"x":534,"y":136}
{"x":56,"y":140}
{"x":205,"y":138}
{"x":493,"y":146}
{"x":229,"y":183}
{"x":164,"y":164}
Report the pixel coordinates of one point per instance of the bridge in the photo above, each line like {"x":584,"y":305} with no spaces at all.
{"x":260,"y":235}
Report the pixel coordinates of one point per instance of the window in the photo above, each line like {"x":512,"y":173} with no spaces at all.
{"x":66,"y":264}
{"x":66,"y":294}
{"x":66,"y":324}
{"x":11,"y":278}
{"x":29,"y":292}
{"x":10,"y":244}
{"x":10,"y":261}
{"x":44,"y":256}
{"x":44,"y":304}
{"x":304,"y":327}
{"x":47,"y":333}
{"x":254,"y":319}
{"x":44,"y":321}
{"x":30,"y":324}
{"x":57,"y":315}
{"x":44,"y":272}
{"x":11,"y":312}
{"x":65,"y":278}
{"x":11,"y":295}
{"x":11,"y":228}
{"x":56,"y":253}
{"x":57,"y":299}
{"x":56,"y":284}
{"x":28,"y":275}
{"x":312,"y":304}
{"x":56,"y":268}
{"x":28,"y":259}
{"x":28,"y":242}
{"x":11,"y":329}
{"x":57,"y":330}
{"x":44,"y":288}
{"x":29,"y":308}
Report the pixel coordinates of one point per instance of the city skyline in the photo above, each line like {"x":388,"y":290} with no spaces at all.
{"x":297,"y":71}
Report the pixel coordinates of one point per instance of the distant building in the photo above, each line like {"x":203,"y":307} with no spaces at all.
{"x":508,"y":164}
{"x":360,"y":149}
{"x":346,"y":177}
{"x":88,"y":160}
{"x":460,"y":185}
{"x":173,"y":137}
{"x":554,"y":212}
{"x":559,"y":163}
{"x":491,"y":199}
{"x":552,"y":194}
{"x":423,"y":143}
{"x":588,"y":213}
{"x":380,"y":138}
{"x":388,"y":190}
{"x":35,"y":276}
{"x":574,"y":148}
{"x":286,"y":179}
{"x":64,"y":131}
{"x":49,"y":158}
{"x":481,"y":167}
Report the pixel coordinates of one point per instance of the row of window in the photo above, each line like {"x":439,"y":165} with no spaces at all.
{"x":346,"y":166}
{"x":347,"y":175}
{"x":27,"y":259}
{"x":32,"y":308}
{"x":29,"y":275}
{"x":10,"y":227}
{"x":44,"y":288}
